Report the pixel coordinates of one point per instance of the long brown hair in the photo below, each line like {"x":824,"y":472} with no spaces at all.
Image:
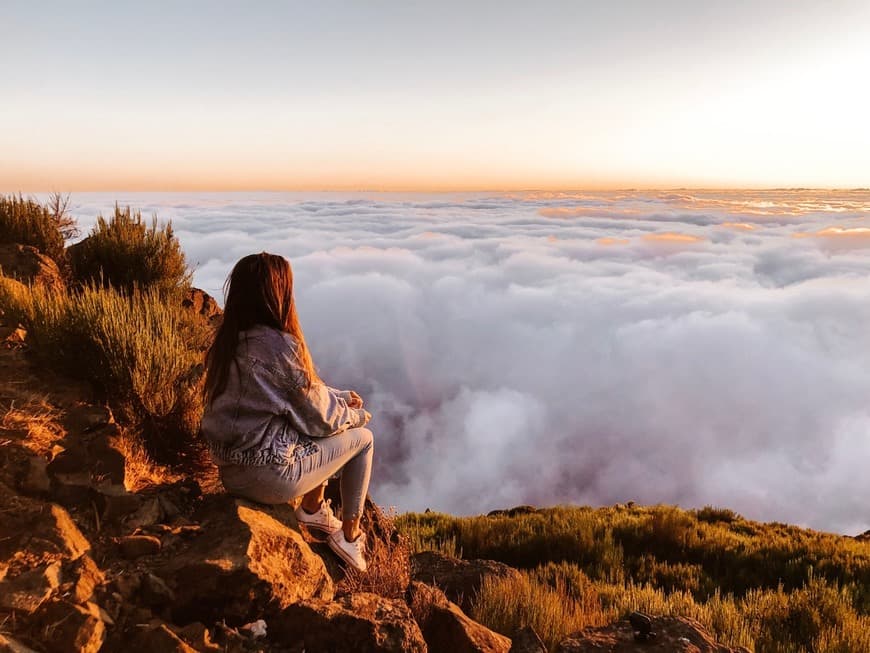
{"x":259,"y":290}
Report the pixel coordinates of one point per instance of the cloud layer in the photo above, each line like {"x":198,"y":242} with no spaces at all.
{"x":689,"y":348}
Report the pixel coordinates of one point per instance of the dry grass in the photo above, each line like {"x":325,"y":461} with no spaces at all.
{"x":36,"y":417}
{"x":26,"y":222}
{"x":389,"y":568}
{"x":506,"y":604}
{"x":140,"y":351}
{"x":770,"y":587}
{"x":140,"y":471}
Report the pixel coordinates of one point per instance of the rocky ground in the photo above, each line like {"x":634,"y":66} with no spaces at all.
{"x":101,"y":550}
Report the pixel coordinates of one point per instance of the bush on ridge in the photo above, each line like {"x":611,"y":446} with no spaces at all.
{"x":26,"y":222}
{"x":125,"y":253}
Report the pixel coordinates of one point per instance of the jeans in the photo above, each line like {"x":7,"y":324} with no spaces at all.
{"x":349,"y":452}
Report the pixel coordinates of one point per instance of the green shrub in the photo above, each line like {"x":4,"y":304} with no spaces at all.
{"x":141,"y":352}
{"x":125,"y":253}
{"x":26,"y":222}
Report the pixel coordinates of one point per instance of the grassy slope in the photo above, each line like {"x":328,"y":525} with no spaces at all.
{"x":771,"y":587}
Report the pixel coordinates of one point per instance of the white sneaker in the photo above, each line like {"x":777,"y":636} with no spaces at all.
{"x":323,"y":520}
{"x":353,"y":553}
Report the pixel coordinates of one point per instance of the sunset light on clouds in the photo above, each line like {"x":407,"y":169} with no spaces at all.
{"x":427,"y":96}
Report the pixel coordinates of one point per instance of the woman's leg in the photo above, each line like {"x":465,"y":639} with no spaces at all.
{"x":351,"y":452}
{"x":312,"y":500}
{"x":275,"y":484}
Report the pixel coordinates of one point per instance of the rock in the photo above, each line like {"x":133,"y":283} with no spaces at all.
{"x":197,"y":635}
{"x":14,"y":335}
{"x":255,"y":629}
{"x":170,"y":510}
{"x":158,"y":639}
{"x":459,"y":579}
{"x":69,"y":460}
{"x":84,"y":418}
{"x":154,"y":592}
{"x":72,"y":490}
{"x":127,"y":585}
{"x":148,"y":514}
{"x":44,"y":531}
{"x":29,"y":590}
{"x":230,"y":640}
{"x":106,"y":458}
{"x":136,"y":546}
{"x":84,"y":577}
{"x":372,"y":623}
{"x":115,"y":502}
{"x":244,"y":566}
{"x":201,"y":303}
{"x":36,"y":480}
{"x":446,"y":628}
{"x":29,"y":266}
{"x":678,"y":634}
{"x":526,"y":640}
{"x":65,"y":627}
{"x":8,"y":645}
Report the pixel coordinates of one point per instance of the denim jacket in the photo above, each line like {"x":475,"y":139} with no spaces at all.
{"x":263,"y":416}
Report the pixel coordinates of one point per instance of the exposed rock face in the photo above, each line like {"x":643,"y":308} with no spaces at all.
{"x":677,"y":634}
{"x":446,"y":628}
{"x":364,"y":623}
{"x":459,"y":579}
{"x":28,"y":265}
{"x":201,"y":303}
{"x":244,"y":564}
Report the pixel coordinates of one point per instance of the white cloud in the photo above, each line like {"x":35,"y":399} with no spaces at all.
{"x":565,"y":348}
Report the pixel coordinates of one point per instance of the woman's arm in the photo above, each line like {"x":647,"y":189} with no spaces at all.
{"x":352,"y":398}
{"x":320,"y":412}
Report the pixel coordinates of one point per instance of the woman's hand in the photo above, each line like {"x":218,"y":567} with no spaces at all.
{"x":355,"y":400}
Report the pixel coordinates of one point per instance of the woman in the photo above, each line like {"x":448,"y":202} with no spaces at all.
{"x":272,"y":426}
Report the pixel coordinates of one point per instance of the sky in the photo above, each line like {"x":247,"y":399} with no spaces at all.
{"x":690,"y":348}
{"x":410,"y":95}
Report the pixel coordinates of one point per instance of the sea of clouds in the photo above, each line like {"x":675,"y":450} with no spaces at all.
{"x":678,"y":347}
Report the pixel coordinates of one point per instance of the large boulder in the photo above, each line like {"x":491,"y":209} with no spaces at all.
{"x":672,"y":634}
{"x":459,"y":579}
{"x":446,"y":628}
{"x":29,"y":266}
{"x":364,"y":623}
{"x":244,"y":564}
